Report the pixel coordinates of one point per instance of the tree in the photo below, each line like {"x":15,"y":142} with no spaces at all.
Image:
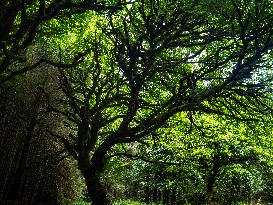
{"x":22,"y":21}
{"x":154,"y":59}
{"x":33,"y":169}
{"x":201,"y":159}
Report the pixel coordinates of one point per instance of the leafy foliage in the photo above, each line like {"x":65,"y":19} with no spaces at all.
{"x":157,"y":81}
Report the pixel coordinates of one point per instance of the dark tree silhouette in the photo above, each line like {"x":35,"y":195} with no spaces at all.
{"x":154,"y":59}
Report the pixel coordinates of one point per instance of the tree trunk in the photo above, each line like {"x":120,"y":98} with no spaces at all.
{"x":15,"y":190}
{"x":95,"y":189}
{"x":210,"y":183}
{"x":92,"y":171}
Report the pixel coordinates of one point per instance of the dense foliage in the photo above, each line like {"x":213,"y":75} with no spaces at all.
{"x":157,"y":101}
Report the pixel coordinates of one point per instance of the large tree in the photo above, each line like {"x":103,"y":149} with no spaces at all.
{"x":154,"y":59}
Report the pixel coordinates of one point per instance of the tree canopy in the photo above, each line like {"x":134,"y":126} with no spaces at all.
{"x":122,"y":71}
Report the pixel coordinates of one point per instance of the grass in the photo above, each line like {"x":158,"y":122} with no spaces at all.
{"x":130,"y":202}
{"x":119,"y":202}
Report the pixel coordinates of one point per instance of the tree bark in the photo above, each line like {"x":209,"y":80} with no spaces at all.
{"x":210,"y":183}
{"x":93,"y":171}
{"x":95,"y":189}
